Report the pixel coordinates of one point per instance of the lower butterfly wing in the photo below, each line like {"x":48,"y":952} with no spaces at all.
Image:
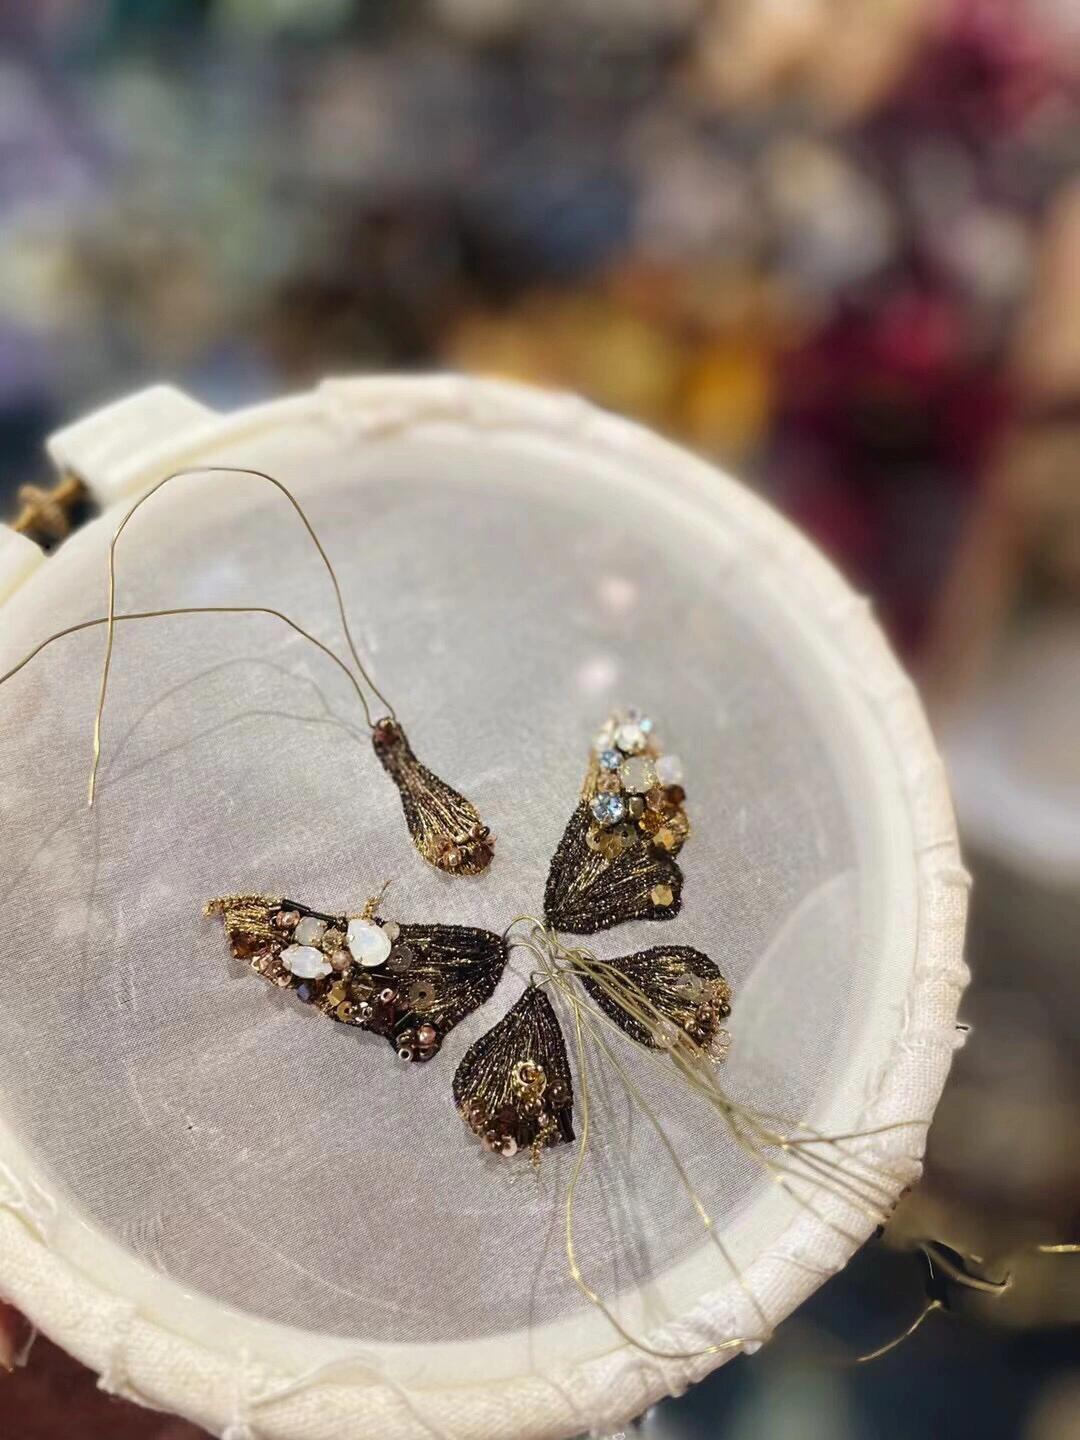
{"x":513,"y":1087}
{"x":659,"y":995}
{"x":590,"y":888}
{"x":409,"y":983}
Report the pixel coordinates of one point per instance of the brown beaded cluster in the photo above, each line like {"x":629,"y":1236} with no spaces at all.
{"x":468,"y":851}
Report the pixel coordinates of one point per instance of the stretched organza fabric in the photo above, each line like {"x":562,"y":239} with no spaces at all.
{"x":510,"y":583}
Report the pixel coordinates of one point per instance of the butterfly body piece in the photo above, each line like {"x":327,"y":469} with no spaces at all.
{"x":409,"y":983}
{"x":445,"y":827}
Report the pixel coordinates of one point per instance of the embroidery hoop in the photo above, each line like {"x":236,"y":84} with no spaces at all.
{"x":240,"y":1375}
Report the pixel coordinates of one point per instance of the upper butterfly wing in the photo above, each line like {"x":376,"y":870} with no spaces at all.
{"x":409,"y":983}
{"x":658,"y":994}
{"x":616,"y":859}
{"x":586,"y":891}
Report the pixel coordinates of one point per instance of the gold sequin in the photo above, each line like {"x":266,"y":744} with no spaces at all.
{"x":421,"y":995}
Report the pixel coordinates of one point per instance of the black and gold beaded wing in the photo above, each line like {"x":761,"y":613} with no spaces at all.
{"x":409,"y":983}
{"x":682,"y":990}
{"x":615,"y":861}
{"x":513,"y":1087}
{"x":445,"y":827}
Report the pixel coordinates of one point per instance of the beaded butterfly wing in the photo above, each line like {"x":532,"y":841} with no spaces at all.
{"x":445,"y":827}
{"x":409,"y":983}
{"x":614,"y":863}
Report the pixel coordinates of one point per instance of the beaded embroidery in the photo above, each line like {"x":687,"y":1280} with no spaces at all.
{"x":413,"y":983}
{"x":409,"y":983}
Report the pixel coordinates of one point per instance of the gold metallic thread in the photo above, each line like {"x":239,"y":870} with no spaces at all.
{"x":111,"y":618}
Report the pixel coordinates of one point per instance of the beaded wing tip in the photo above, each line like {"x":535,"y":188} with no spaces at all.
{"x":410,"y":984}
{"x":445,"y":827}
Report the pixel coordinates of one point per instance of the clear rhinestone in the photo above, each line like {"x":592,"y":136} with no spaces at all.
{"x":309,"y":931}
{"x":637,"y":774}
{"x":666,"y":1035}
{"x":604,"y":737}
{"x":719,"y":1046}
{"x":630,"y":738}
{"x":305,"y":961}
{"x":610,"y":759}
{"x":669,"y":770}
{"x":609,"y":809}
{"x":368,"y":942}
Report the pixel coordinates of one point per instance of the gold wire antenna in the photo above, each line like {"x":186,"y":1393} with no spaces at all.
{"x":110,"y":619}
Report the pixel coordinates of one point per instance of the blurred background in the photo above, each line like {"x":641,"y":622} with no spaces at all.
{"x":833,"y":244}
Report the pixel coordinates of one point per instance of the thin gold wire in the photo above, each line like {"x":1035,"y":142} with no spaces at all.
{"x":111,"y":618}
{"x":571,"y":1253}
{"x":559,"y":964}
{"x":898,"y":1340}
{"x":186,"y":610}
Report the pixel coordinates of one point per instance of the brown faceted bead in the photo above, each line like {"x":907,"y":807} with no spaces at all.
{"x":506,"y":1119}
{"x":385,"y":734}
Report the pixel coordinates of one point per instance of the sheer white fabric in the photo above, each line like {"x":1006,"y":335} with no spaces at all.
{"x":508,"y":592}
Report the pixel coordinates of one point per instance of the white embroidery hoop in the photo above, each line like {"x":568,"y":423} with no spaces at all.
{"x":151,"y":1337}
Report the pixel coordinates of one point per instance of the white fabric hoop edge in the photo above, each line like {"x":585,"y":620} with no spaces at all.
{"x":139,"y":1359}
